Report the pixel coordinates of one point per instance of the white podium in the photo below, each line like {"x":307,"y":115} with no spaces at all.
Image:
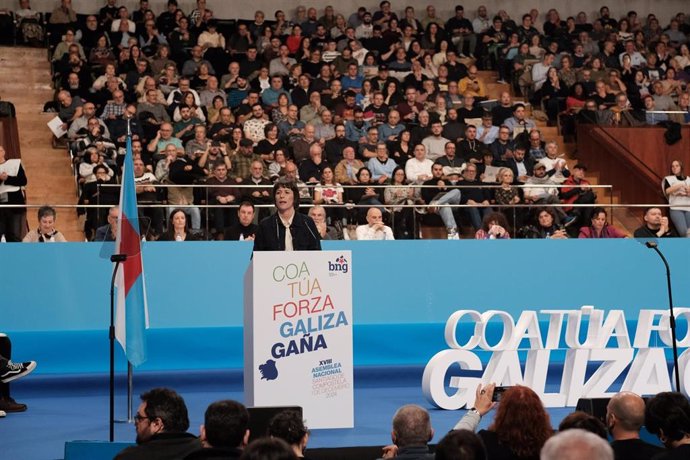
{"x":298,"y":334}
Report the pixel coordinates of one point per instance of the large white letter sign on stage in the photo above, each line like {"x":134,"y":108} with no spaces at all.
{"x":648,"y":373}
{"x":298,"y":334}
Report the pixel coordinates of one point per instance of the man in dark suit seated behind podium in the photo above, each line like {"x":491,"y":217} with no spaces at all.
{"x":287,"y":229}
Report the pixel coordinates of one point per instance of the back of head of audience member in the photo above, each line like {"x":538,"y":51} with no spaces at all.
{"x":268,"y":449}
{"x":411,"y":426}
{"x":289,"y":426}
{"x":576,"y":444}
{"x":583,"y":421}
{"x":460,"y":444}
{"x":625,"y":415}
{"x":165,"y":412}
{"x":225,"y":425}
{"x":521,"y":422}
{"x":667,"y":416}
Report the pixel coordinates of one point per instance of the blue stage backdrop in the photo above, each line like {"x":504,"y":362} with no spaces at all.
{"x":55,"y":298}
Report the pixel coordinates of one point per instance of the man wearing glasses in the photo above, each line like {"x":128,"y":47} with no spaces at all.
{"x":164,"y":137}
{"x":161,"y":424}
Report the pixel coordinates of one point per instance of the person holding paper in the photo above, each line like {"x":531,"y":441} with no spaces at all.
{"x":12,"y":179}
{"x":287,"y":229}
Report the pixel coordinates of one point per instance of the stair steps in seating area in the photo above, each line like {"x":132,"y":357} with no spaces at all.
{"x":25,"y":81}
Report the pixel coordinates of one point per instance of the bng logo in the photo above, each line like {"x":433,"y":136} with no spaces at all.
{"x":339,"y":265}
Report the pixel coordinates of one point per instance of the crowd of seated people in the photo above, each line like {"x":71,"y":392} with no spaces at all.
{"x":521,"y":429}
{"x":347,"y":101}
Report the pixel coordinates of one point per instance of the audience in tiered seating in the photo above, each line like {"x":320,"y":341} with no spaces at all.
{"x":373,"y":82}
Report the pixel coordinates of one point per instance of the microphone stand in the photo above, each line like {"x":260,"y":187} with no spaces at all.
{"x":117,"y":259}
{"x":672,"y":321}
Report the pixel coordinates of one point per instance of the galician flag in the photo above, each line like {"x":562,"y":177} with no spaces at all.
{"x":131,"y":314}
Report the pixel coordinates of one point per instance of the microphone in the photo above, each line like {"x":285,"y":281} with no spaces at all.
{"x":118,"y":258}
{"x":651,"y":244}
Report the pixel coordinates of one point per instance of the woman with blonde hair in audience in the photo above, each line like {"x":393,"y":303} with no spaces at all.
{"x":508,"y":194}
{"x":676,"y":188}
{"x":520,"y":428}
{"x":599,"y":228}
{"x":169,"y":78}
{"x":340,"y":26}
{"x":189,"y":101}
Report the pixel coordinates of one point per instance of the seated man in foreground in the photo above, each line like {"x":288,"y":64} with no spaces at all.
{"x":161,"y":424}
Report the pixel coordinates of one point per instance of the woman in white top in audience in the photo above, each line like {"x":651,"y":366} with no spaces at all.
{"x":676,"y":188}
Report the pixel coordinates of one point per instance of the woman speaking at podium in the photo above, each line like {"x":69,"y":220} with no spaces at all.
{"x":287,"y":229}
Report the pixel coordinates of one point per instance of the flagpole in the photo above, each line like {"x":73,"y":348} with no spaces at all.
{"x":117,"y":259}
{"x":130,"y":388}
